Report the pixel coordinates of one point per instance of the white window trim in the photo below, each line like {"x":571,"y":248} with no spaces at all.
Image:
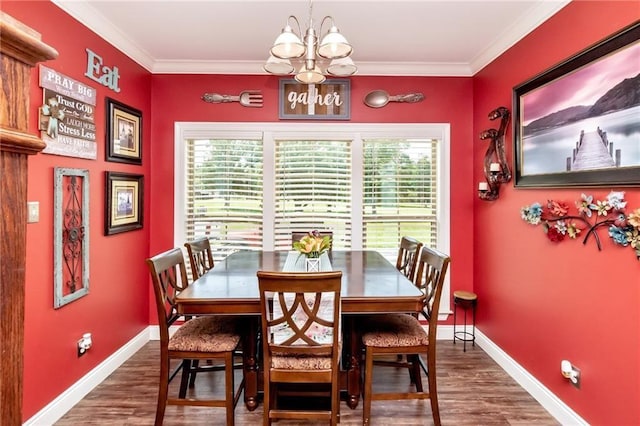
{"x":355,"y":132}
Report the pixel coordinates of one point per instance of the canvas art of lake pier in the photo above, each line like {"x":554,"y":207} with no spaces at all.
{"x":593,"y":151}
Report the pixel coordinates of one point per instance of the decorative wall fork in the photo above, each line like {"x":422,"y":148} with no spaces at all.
{"x":247,"y":98}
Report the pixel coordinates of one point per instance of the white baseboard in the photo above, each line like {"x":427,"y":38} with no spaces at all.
{"x":558,"y":409}
{"x":154,"y":331}
{"x":70,"y":397}
{"x":63,"y":403}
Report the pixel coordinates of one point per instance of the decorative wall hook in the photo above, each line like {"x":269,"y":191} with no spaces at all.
{"x":496,"y":173}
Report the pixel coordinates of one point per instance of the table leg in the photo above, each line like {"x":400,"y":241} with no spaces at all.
{"x":353,"y":367}
{"x":250,"y":364}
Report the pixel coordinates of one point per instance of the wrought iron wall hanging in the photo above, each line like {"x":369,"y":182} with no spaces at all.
{"x":71,"y":235}
{"x":496,"y":173}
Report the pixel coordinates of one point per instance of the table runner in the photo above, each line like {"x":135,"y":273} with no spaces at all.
{"x":295,"y":262}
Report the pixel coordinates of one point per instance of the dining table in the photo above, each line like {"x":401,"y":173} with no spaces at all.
{"x":370,"y":285}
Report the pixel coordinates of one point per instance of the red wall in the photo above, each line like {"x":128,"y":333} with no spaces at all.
{"x":447,"y":100}
{"x":539,"y":302}
{"x":116,"y":308}
{"x":542,"y":302}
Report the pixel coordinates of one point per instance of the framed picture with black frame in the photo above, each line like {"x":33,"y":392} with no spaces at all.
{"x":123,"y":133}
{"x":123,"y":203}
{"x":578,"y":123}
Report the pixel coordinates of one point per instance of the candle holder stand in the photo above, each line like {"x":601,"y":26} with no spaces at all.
{"x":496,"y":173}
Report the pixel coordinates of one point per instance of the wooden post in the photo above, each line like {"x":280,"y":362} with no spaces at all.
{"x":20,"y":50}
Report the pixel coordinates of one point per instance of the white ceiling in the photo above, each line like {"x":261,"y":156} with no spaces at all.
{"x":414,"y":37}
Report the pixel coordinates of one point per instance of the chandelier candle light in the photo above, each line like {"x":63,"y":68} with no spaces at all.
{"x":308,"y":60}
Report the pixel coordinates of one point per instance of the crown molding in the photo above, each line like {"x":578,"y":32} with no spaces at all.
{"x":88,"y":16}
{"x":516,"y":31}
{"x":422,"y":69}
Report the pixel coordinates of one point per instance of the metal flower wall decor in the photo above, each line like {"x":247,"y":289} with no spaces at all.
{"x":558,"y":222}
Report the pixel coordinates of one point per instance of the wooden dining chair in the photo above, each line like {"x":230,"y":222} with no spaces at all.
{"x":201,"y":261}
{"x":200,"y":338}
{"x":200,"y":256}
{"x":406,"y":263}
{"x":402,"y":334}
{"x":300,"y":315}
{"x":408,"y":256}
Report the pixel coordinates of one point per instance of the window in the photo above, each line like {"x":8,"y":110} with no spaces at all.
{"x":399,"y":192}
{"x":312,"y":189}
{"x":223,"y":193}
{"x":249,"y":185}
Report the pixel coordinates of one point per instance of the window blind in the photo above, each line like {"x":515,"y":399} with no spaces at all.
{"x":400,"y":192}
{"x":224,"y":193}
{"x":312,"y":190}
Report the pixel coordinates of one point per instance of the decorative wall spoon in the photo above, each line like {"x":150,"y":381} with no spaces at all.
{"x":379,"y":98}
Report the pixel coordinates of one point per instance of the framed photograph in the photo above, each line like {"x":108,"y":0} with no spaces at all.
{"x":124,"y":133}
{"x":123,"y":211}
{"x":330,"y":100}
{"x":578,"y":123}
{"x":70,"y":235}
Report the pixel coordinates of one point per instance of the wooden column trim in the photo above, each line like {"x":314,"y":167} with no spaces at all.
{"x":20,"y":50}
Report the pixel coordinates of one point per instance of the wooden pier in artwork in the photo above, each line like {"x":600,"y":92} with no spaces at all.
{"x":593,"y":151}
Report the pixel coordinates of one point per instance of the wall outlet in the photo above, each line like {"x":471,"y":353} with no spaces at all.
{"x":571,"y":372}
{"x":577,"y":376}
{"x":84,"y":344}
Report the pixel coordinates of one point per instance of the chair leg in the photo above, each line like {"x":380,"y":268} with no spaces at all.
{"x":455,"y":317}
{"x":266,"y":400}
{"x":163,"y":389}
{"x":229,"y":388}
{"x":335,"y":402}
{"x":423,"y":366}
{"x":184,"y":380}
{"x":368,"y":386}
{"x":433,"y":390}
{"x":192,"y":376}
{"x":414,"y":368}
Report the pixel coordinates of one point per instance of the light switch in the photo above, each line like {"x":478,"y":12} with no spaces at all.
{"x":33,"y":208}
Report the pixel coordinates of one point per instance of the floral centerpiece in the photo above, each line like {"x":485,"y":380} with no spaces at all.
{"x":558,"y":223}
{"x":313,"y":245}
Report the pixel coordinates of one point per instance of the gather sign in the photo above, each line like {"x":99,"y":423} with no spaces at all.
{"x":329,"y":100}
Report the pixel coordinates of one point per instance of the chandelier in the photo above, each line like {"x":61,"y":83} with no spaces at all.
{"x":307,"y":59}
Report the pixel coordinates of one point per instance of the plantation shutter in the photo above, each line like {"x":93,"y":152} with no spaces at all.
{"x":312,"y":190}
{"x":224,"y":193}
{"x":400,"y":188}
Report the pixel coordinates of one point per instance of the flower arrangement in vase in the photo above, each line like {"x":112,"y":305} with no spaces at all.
{"x":312,"y":246}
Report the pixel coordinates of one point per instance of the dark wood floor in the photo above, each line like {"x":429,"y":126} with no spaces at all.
{"x":472,"y":389}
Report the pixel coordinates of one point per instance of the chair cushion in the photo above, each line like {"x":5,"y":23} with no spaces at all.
{"x":302,"y":362}
{"x":393,"y":330}
{"x":206,"y":334}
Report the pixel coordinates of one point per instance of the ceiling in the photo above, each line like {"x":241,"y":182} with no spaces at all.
{"x":389,"y":37}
